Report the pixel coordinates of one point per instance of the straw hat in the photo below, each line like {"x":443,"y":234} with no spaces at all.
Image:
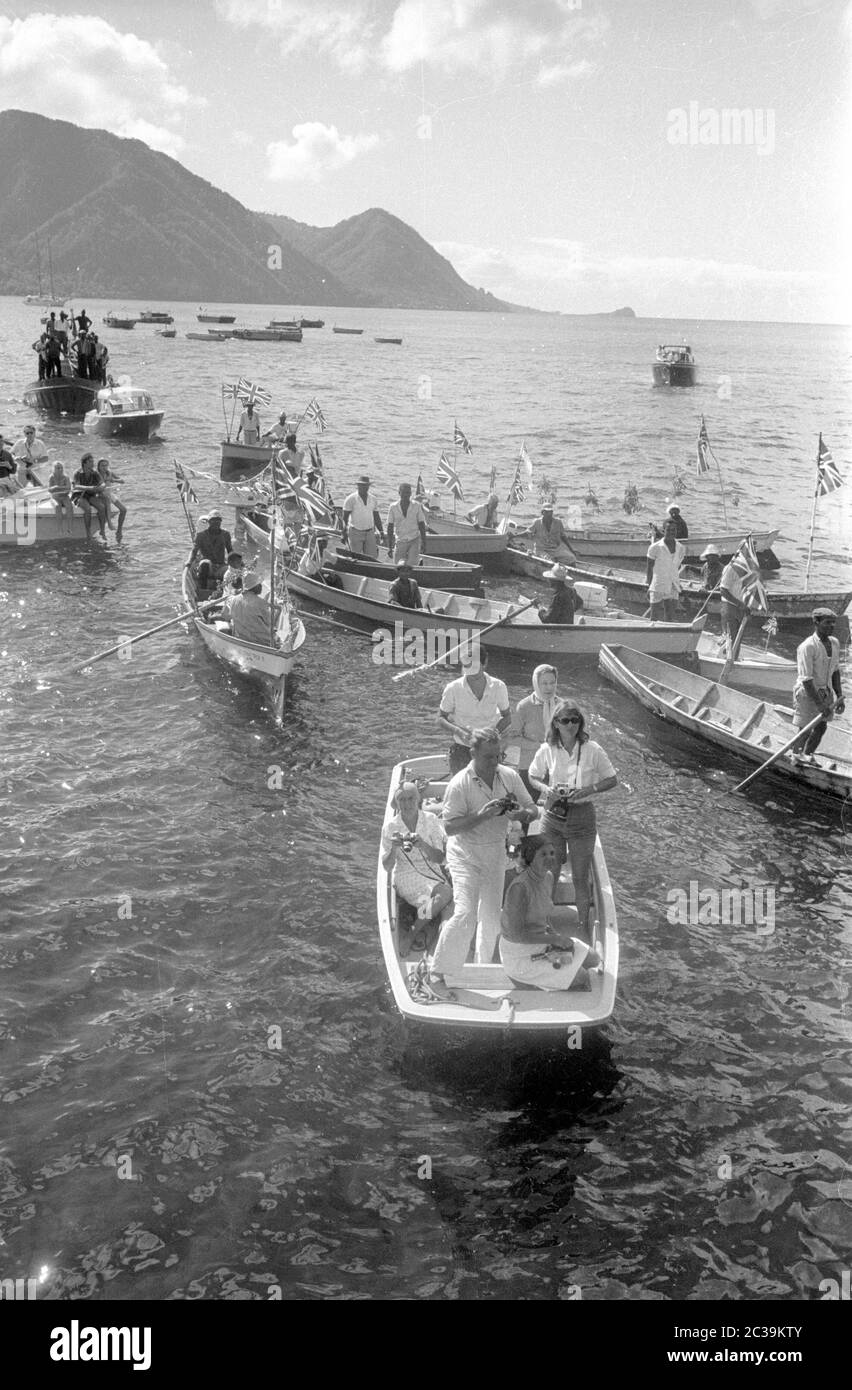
{"x":558,"y":572}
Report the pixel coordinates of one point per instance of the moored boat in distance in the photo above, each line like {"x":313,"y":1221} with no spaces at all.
{"x":596,"y":545}
{"x":674,"y":365}
{"x":113,"y":320}
{"x":387,"y":340}
{"x":336,"y":329}
{"x":165,"y":333}
{"x":469,"y":618}
{"x":735,"y":722}
{"x":312,"y":323}
{"x":203,"y":317}
{"x":290,"y":334}
{"x":485,"y":996}
{"x":155,"y":316}
{"x":272,"y":665}
{"x":122,"y":412}
{"x":207,"y":337}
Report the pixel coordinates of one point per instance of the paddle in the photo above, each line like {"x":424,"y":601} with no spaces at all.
{"x":734,"y":652}
{"x":800,"y":733}
{"x":140,"y":637}
{"x":513,"y":613}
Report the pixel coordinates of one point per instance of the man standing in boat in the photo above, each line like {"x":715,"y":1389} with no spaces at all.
{"x":818,"y":690}
{"x":478,"y":803}
{"x":474,"y":701}
{"x":361,"y":520}
{"x":249,"y":426}
{"x":734,"y":607}
{"x":665,"y":558}
{"x":547,"y":533}
{"x":681,"y":528}
{"x":406,"y":524}
{"x":210,"y":550}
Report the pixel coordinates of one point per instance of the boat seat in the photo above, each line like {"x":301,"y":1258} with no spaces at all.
{"x":752,"y":719}
{"x":362,"y":584}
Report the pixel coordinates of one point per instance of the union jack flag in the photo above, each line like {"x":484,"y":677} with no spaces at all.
{"x":313,"y":411}
{"x":447,"y":474}
{"x":249,"y":392}
{"x":184,"y":486}
{"x":460,"y":438}
{"x":703,"y":449}
{"x":524,"y":458}
{"x":828,"y":474}
{"x":516,"y":491}
{"x":746,"y":566}
{"x":419,"y":491}
{"x":230,"y":391}
{"x":315,"y":507}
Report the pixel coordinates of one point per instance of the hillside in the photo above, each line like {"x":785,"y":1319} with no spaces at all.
{"x":138,"y":225}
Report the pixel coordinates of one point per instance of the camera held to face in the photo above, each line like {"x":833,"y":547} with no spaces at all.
{"x":506,"y":804}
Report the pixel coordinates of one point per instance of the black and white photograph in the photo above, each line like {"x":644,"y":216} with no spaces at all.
{"x":425,"y":578}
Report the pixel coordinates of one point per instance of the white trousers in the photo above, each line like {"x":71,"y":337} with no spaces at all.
{"x":478,"y":899}
{"x":408,"y":550}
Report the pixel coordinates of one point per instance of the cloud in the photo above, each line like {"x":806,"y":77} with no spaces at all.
{"x":315,"y":150}
{"x":79,"y":68}
{"x":343,"y":31}
{"x":452,"y":35}
{"x":492,"y":34}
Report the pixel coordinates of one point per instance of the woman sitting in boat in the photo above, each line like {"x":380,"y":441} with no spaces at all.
{"x":568,"y":770}
{"x":59,"y":487}
{"x":88,"y":493}
{"x":532,"y":950}
{"x":413,"y":848}
{"x":111,"y":497}
{"x":530,"y":723}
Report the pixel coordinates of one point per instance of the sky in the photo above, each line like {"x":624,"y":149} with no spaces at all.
{"x":689,"y":160}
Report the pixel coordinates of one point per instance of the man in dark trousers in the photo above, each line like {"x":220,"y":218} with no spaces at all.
{"x":566,"y":602}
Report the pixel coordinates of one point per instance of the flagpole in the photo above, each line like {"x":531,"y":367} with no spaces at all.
{"x":272,"y":561}
{"x":189,"y":521}
{"x":225,"y":418}
{"x":813,"y":517}
{"x":455,"y":458}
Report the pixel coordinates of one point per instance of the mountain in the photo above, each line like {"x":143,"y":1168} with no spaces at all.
{"x":126,"y":222}
{"x":378,"y":255}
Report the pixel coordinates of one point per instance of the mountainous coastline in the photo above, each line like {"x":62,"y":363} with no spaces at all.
{"x":124,"y":221}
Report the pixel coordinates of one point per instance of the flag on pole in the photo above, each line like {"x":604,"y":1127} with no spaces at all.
{"x":703,"y":449}
{"x":492,"y":480}
{"x":249,"y":392}
{"x":524,"y":458}
{"x":828,"y":474}
{"x":313,"y":411}
{"x":419,"y":491}
{"x":746,"y":566}
{"x":516,"y":491}
{"x":314,"y":506}
{"x":230,"y":391}
{"x":447,"y":474}
{"x":461,"y":439}
{"x":184,"y":486}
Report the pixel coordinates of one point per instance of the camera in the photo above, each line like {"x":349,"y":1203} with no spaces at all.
{"x":408,"y":842}
{"x":507,"y":803}
{"x":561,"y":803}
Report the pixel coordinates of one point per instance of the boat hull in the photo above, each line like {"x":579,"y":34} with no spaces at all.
{"x":522,"y":1010}
{"x":701,"y":707}
{"x":132,"y":425}
{"x":753,"y":669}
{"x":459,"y":540}
{"x":674,"y":373}
{"x":156,"y":318}
{"x":267,"y":335}
{"x":30,"y":518}
{"x":62,"y":395}
{"x":216,"y":318}
{"x":602,"y":546}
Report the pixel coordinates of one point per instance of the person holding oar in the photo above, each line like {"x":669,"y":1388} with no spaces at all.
{"x":818,"y":691}
{"x":547,"y":534}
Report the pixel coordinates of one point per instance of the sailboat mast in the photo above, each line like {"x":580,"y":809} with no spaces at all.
{"x":50,"y":271}
{"x":38,"y":262}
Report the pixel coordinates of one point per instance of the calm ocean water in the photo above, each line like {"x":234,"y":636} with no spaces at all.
{"x":164,"y":911}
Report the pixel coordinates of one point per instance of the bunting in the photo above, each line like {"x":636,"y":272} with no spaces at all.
{"x":315,"y":507}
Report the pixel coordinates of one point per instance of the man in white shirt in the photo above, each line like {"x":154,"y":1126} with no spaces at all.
{"x":733,"y":604}
{"x":361,"y":520}
{"x":406,"y":523}
{"x":665,"y":558}
{"x":474,"y":701}
{"x":28,"y":452}
{"x":818,"y":690}
{"x":478,"y":804}
{"x":249,"y":425}
{"x":249,"y":613}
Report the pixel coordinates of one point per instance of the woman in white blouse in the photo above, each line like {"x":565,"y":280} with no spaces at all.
{"x":569,"y":769}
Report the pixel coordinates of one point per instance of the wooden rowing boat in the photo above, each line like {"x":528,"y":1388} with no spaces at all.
{"x":486,"y":997}
{"x":737,"y":723}
{"x":431,"y":571}
{"x":272,"y":665}
{"x":453,"y":618}
{"x":753,"y":669}
{"x":596,"y":544}
{"x":460,"y":540}
{"x":628,"y":589}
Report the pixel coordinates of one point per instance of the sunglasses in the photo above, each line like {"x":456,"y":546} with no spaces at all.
{"x":569,"y":719}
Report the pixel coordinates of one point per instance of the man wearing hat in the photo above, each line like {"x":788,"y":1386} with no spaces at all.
{"x":210,"y":551}
{"x":406,"y":521}
{"x":361,"y":520}
{"x":681,"y":528}
{"x":818,"y":691}
{"x":711,"y":570}
{"x":249,"y":613}
{"x":547,"y":534}
{"x":249,"y":425}
{"x":404,"y":590}
{"x":566,"y":601}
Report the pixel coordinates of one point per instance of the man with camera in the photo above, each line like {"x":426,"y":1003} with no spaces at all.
{"x":479,"y":802}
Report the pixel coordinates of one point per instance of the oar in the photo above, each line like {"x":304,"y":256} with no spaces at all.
{"x":800,"y":733}
{"x":734,"y":652}
{"x":513,"y":613}
{"x":140,"y":636}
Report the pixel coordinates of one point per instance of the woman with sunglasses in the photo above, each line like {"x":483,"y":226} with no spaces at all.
{"x":569,"y":769}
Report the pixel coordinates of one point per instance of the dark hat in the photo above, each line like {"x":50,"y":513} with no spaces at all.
{"x":823,"y":613}
{"x":364,"y":479}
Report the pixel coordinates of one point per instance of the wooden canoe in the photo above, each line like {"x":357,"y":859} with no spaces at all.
{"x":486,"y":996}
{"x":454,"y":618}
{"x":272,"y":665}
{"x":753,"y":669}
{"x":597,"y":544}
{"x":431,"y":571}
{"x":460,"y":540}
{"x":734,"y":722}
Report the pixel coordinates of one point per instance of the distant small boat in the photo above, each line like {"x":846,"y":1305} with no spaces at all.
{"x":119,"y":321}
{"x":674,"y":365}
{"x":335,"y":329}
{"x":50,"y":300}
{"x":312,"y":323}
{"x":283,"y":323}
{"x":387,"y":340}
{"x":291,"y":334}
{"x":204,"y":317}
{"x":165,"y":333}
{"x":207,"y":337}
{"x":155,"y":316}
